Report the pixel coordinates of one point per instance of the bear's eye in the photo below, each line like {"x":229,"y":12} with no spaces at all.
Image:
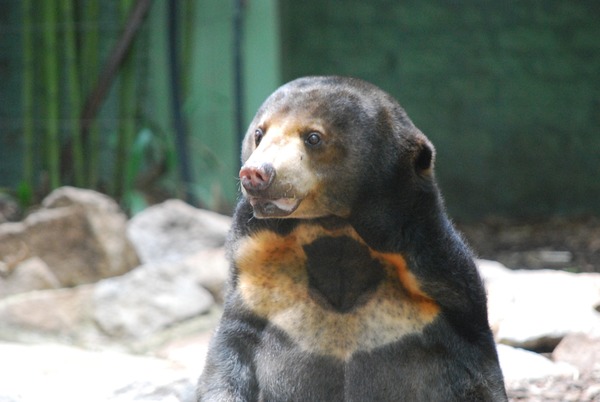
{"x":313,"y":139}
{"x":258,"y":136}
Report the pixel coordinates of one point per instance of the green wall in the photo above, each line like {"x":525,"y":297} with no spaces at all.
{"x":509,"y":92}
{"x":262,"y":59}
{"x":209,"y":92}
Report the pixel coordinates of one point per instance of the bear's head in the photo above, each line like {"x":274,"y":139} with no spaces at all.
{"x":319,"y":144}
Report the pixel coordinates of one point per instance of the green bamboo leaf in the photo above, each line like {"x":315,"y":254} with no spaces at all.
{"x":135,"y":161}
{"x":25,"y":194}
{"x":134,"y":202}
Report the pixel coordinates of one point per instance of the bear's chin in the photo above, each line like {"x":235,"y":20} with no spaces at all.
{"x":279,"y":208}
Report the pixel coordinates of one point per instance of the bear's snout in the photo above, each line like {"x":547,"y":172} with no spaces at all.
{"x":257,"y":178}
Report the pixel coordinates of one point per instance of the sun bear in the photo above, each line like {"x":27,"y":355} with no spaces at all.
{"x":348,"y":281}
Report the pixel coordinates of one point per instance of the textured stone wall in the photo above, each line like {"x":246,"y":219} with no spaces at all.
{"x":509,"y":92}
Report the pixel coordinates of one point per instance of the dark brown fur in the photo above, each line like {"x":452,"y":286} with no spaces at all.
{"x":348,"y":281}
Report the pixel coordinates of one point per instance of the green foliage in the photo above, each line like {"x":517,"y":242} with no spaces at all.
{"x":56,"y":60}
{"x":70,"y":64}
{"x":133,"y":200}
{"x":150,"y":163}
{"x":24,"y":194}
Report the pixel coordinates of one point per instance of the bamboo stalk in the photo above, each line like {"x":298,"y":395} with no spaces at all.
{"x":52,"y":79}
{"x":27,"y":97}
{"x":74,"y":90}
{"x":89,"y":65}
{"x":112,"y":65}
{"x":188,"y":21}
{"x":127,"y":105}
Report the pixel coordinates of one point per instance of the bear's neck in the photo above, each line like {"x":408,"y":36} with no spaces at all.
{"x":400,"y":224}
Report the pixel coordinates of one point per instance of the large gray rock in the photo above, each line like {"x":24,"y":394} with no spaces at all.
{"x":536,"y":309}
{"x":148,"y":299}
{"x":79,"y":234}
{"x":210,"y":269}
{"x":68,"y":316}
{"x":188,"y":351}
{"x":519,"y":364}
{"x":30,"y":274}
{"x":66,"y":374}
{"x":579,"y":350}
{"x":132,"y":308}
{"x":174,"y":230}
{"x":59,"y":315}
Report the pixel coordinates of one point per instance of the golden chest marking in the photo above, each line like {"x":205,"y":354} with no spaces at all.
{"x":273,"y":283}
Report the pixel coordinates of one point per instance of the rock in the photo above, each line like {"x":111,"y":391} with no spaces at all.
{"x":539,"y":258}
{"x":210,"y":269}
{"x":536,"y":309}
{"x":173,"y":230}
{"x":31,"y":274}
{"x":188,"y":351}
{"x":174,"y":391}
{"x":585,"y":387}
{"x":9,"y":209}
{"x":579,"y":350}
{"x":79,"y":234}
{"x":592,"y":392}
{"x":492,"y":270}
{"x":147,"y":299}
{"x":519,"y":364}
{"x":550,"y":389}
{"x":67,"y":316}
{"x":191,"y":331}
{"x":67,"y":374}
{"x":60,"y":315}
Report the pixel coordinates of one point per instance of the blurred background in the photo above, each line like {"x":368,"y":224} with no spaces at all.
{"x":146,"y":100}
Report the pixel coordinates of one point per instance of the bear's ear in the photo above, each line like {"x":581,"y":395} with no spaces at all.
{"x":424,"y":156}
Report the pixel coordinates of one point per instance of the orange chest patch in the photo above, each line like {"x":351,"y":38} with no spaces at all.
{"x":277,"y":276}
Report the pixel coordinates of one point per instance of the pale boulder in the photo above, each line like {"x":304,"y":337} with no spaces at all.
{"x":173,"y":230}
{"x":148,"y":299}
{"x":536,"y":309}
{"x":79,"y":234}
{"x":60,"y":373}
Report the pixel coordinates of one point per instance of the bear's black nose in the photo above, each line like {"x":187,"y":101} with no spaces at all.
{"x":255,"y":178}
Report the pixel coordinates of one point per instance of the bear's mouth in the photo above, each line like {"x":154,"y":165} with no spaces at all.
{"x":273,"y":208}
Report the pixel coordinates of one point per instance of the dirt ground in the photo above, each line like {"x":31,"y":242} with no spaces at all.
{"x":571,"y":244}
{"x":586,"y":388}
